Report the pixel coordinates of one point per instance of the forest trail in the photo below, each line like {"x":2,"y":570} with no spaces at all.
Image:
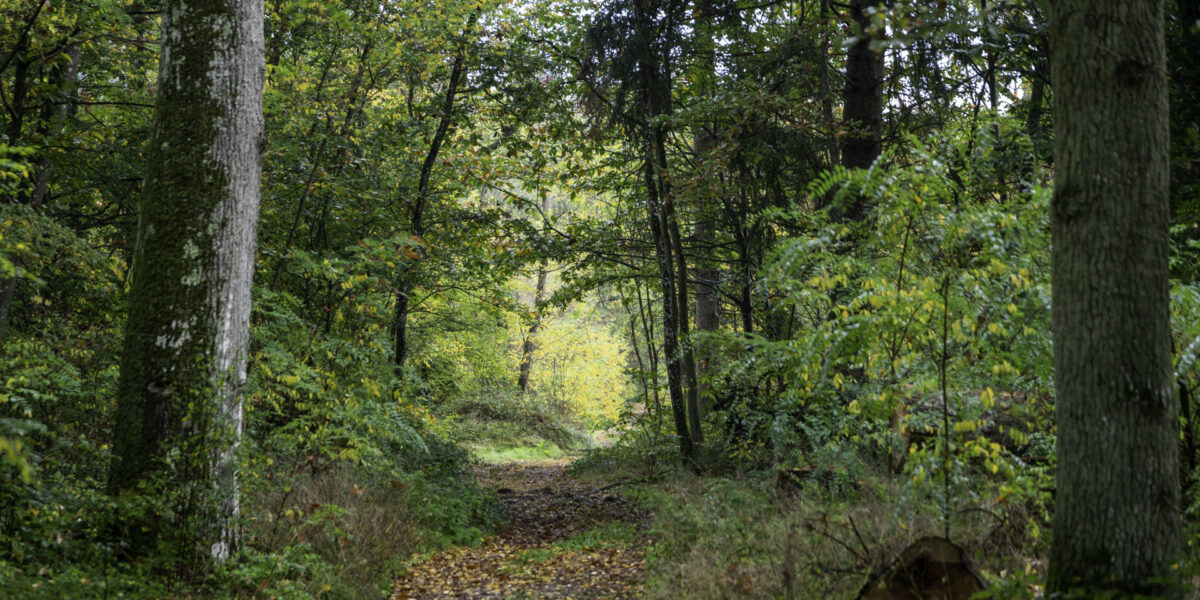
{"x":566,"y":539}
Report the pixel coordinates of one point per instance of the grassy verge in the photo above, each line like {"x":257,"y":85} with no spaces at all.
{"x":541,"y":451}
{"x":738,"y":535}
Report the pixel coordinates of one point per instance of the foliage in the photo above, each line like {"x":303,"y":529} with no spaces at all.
{"x":579,"y":367}
{"x":896,"y":370}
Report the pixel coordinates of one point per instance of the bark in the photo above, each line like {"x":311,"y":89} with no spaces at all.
{"x":1184,"y":64}
{"x":7,"y":289}
{"x":54,"y":121}
{"x":707,"y":307}
{"x":1116,"y":523}
{"x":54,"y":118}
{"x":179,"y":411}
{"x":1033,"y":121}
{"x":989,"y":56}
{"x":646,"y":316}
{"x":674,"y":240}
{"x":670,"y":310}
{"x":831,"y":147}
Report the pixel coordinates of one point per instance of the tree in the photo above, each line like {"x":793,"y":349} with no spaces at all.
{"x":179,"y":412}
{"x":1117,"y":519}
{"x":630,"y":47}
{"x":862,"y":109}
{"x":417,"y":203}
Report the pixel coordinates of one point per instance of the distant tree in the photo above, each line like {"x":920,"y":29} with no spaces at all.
{"x":1117,"y":517}
{"x":179,"y":411}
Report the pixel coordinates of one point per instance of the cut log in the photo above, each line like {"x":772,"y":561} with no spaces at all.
{"x":932,"y":568}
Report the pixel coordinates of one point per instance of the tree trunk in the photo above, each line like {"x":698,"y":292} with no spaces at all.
{"x":707,"y":306}
{"x":670,"y":310}
{"x":528,"y":345}
{"x":646,"y":316}
{"x":416,"y":206}
{"x":831,"y":147}
{"x":54,"y":120}
{"x":862,"y":112}
{"x":707,"y":302}
{"x":687,"y":356}
{"x":179,"y":411}
{"x":1116,"y":523}
{"x":655,"y":89}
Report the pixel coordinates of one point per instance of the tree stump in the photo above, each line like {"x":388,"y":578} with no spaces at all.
{"x":932,"y":568}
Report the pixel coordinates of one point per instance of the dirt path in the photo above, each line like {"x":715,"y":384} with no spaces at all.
{"x":566,"y":540}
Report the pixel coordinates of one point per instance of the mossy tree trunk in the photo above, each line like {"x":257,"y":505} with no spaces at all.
{"x":1117,"y":517}
{"x":179,"y":412}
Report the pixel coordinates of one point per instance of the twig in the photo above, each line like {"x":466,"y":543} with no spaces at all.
{"x":607,"y":487}
{"x":866,"y":549}
{"x":833,"y":539}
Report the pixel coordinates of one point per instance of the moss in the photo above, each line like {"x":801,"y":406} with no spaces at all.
{"x":168,"y":410}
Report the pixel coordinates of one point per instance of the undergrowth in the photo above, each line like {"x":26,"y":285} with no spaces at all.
{"x":500,"y":426}
{"x":746,"y":534}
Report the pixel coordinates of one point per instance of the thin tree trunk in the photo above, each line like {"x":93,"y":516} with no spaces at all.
{"x":831,"y":147}
{"x":528,"y":346}
{"x":707,"y":307}
{"x":416,"y":207}
{"x":1037,"y":94}
{"x":670,"y":303}
{"x":1117,"y":512}
{"x":674,"y":240}
{"x":54,"y":121}
{"x":655,"y":81}
{"x":179,"y":411}
{"x":707,"y":299}
{"x":646,"y":314}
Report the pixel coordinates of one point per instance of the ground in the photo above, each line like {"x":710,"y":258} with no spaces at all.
{"x":566,"y":539}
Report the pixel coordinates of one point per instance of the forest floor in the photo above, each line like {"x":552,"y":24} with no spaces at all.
{"x":566,"y":539}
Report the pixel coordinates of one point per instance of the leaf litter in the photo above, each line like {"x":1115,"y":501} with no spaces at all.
{"x":554,"y":547}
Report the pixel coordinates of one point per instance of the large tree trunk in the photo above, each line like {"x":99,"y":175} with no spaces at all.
{"x":862,"y":112}
{"x":1117,"y":517}
{"x":179,"y":411}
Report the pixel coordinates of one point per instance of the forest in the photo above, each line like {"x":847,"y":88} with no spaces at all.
{"x":580,"y":299}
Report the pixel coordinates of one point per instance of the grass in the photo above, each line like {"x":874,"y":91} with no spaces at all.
{"x":495,"y":455}
{"x":610,"y":535}
{"x":501,"y":427}
{"x":734,"y":535}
